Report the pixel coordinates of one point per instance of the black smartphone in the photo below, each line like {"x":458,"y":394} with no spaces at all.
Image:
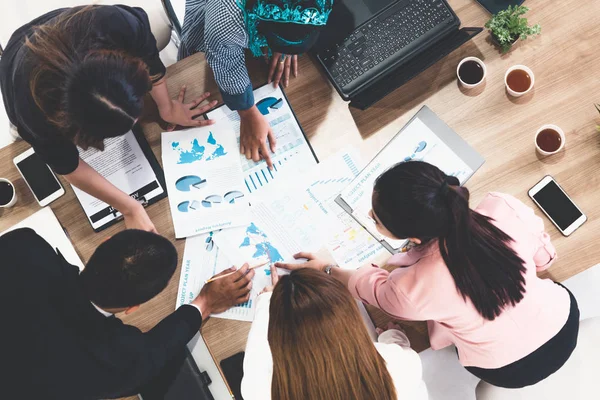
{"x":494,"y":6}
{"x":233,"y":369}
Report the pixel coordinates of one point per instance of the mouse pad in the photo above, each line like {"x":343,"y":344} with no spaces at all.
{"x":494,"y":6}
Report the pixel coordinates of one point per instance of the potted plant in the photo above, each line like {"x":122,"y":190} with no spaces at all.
{"x":508,"y":26}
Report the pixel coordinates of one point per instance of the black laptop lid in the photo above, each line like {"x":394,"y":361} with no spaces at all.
{"x":346,"y":16}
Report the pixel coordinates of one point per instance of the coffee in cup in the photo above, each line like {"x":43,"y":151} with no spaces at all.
{"x":471,"y":72}
{"x":519,"y":80}
{"x":549,"y":139}
{"x":8,"y":195}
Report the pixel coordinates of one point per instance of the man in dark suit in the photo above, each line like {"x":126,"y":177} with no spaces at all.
{"x":59,"y":338}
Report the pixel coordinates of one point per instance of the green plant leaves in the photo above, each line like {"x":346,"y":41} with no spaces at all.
{"x":508,"y":25}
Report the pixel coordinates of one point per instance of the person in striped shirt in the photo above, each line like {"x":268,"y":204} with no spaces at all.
{"x":279,"y":29}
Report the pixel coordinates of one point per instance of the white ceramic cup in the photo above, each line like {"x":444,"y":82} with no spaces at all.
{"x":14,"y":198}
{"x":471,"y":85}
{"x":524,"y":68}
{"x":563,"y":139}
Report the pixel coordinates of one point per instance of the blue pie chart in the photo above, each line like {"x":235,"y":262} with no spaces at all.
{"x":183,"y":206}
{"x":230,"y":197}
{"x":189,"y":182}
{"x":269,"y":103}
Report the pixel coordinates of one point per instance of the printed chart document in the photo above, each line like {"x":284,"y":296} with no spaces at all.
{"x":204,"y":180}
{"x":124,"y":164}
{"x":293,"y":149}
{"x":424,"y":138}
{"x":45,"y":224}
{"x":297,"y":216}
{"x":201,"y":261}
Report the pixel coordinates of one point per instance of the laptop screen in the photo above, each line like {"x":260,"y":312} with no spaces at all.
{"x":346,"y":16}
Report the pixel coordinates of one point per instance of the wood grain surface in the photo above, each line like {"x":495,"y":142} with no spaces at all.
{"x":566,"y":63}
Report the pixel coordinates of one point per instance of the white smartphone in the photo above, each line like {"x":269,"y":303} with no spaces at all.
{"x":39,"y":177}
{"x":557,"y":205}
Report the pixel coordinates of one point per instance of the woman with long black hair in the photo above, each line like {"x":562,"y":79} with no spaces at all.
{"x":74,"y":77}
{"x":471,"y":273}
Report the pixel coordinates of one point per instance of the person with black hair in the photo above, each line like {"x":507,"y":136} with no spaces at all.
{"x":60,"y":338}
{"x":77,"y":76}
{"x":279,"y":29}
{"x":470,"y":273}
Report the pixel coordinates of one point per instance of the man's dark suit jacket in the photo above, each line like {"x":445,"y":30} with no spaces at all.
{"x":56,"y":345}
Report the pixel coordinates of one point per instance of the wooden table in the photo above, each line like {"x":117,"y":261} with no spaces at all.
{"x":566,"y":62}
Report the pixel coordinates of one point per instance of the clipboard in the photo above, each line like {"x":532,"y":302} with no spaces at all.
{"x":107,"y":216}
{"x":424,"y":122}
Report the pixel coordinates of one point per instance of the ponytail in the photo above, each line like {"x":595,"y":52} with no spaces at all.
{"x":485,"y":269}
{"x":416,"y":199}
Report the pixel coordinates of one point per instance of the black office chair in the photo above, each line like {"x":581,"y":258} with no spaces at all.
{"x":172,"y":17}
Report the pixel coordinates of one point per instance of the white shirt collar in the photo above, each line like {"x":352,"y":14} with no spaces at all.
{"x":101,"y":311}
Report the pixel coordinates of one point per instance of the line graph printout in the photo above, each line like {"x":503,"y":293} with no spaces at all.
{"x":204,"y":180}
{"x":301,"y":215}
{"x":416,"y":141}
{"x":293,"y":150}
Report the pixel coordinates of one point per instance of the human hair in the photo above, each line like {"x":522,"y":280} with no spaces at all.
{"x":320,"y":346}
{"x":417,"y":200}
{"x":129,"y":269}
{"x":88,"y":92}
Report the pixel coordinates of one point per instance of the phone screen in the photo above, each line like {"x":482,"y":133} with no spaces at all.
{"x":557,"y":205}
{"x":39,"y":176}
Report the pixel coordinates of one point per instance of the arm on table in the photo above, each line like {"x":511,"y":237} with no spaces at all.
{"x":90,"y":181}
{"x":545,"y":253}
{"x":258,"y":361}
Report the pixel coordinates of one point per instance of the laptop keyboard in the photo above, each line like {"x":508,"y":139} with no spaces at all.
{"x":383,"y":37}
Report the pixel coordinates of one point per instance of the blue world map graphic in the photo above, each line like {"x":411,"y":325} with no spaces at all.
{"x":259,"y":240}
{"x":211,"y":150}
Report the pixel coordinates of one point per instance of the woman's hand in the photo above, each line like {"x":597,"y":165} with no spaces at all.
{"x":137,"y":218}
{"x":312,"y":262}
{"x":254,"y":133}
{"x":274,"y":280}
{"x":280,"y":66}
{"x":179,"y":113}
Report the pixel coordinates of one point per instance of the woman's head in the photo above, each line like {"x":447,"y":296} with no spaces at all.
{"x":417,"y":200}
{"x":88,"y":92}
{"x":320,"y":346}
{"x":285,"y":26}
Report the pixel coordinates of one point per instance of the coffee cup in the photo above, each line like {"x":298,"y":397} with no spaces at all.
{"x":471,"y":72}
{"x":549,"y":139}
{"x":8,"y":194}
{"x":519,"y":80}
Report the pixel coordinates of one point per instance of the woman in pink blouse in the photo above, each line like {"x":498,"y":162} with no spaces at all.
{"x":471,"y":274}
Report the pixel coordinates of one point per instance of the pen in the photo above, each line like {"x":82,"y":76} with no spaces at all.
{"x":231,"y":273}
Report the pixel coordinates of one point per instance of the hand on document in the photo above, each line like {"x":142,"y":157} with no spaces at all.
{"x":254,"y":133}
{"x":274,"y":280}
{"x":312,"y":262}
{"x":137,"y":218}
{"x":184,"y":114}
{"x":222,"y":294}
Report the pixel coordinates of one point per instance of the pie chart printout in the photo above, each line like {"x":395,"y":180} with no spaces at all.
{"x":190,"y":182}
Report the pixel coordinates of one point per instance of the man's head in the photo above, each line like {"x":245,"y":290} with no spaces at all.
{"x":129,"y":269}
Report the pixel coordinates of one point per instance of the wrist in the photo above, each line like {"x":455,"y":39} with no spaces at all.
{"x":202,"y":304}
{"x":130,"y":207}
{"x":165,"y":110}
{"x":248,"y":112}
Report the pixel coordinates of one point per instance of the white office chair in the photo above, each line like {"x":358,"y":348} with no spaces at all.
{"x":577,"y":379}
{"x":16,"y":13}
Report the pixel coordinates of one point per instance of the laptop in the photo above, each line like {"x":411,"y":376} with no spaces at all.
{"x":371,"y":47}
